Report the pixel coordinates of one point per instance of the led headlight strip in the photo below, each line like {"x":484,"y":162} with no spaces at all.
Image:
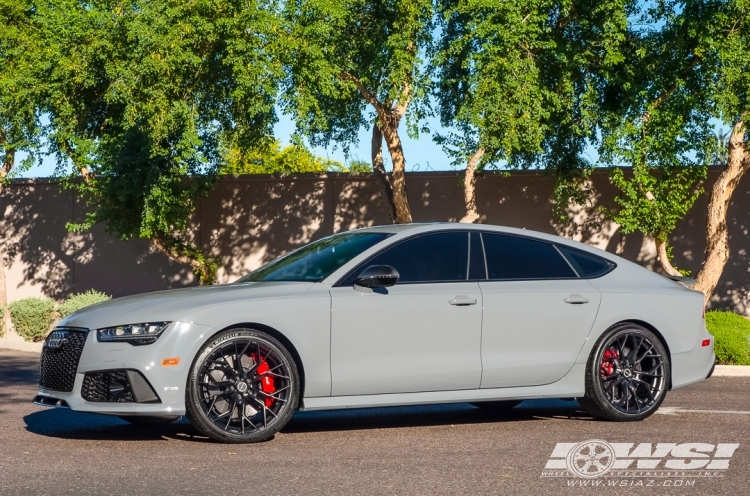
{"x":135,"y":334}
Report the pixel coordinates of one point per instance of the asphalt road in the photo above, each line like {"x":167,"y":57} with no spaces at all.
{"x":444,"y":449}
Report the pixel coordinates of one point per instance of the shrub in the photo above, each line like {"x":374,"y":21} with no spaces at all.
{"x":2,"y":322}
{"x":81,"y":300}
{"x":732,"y":337}
{"x":32,"y":317}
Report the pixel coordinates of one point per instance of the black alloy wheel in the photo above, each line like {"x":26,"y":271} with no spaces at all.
{"x":627,"y":375}
{"x":243,"y":387}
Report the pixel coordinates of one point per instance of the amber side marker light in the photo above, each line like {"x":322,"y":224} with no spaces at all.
{"x":706,"y":342}
{"x":171,"y":362}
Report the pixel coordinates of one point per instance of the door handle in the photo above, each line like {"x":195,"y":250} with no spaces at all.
{"x":576,"y":299}
{"x":462,"y":301}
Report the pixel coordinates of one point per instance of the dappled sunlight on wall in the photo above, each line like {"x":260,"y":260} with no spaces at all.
{"x":250,"y":220}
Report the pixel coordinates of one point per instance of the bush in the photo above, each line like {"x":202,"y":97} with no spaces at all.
{"x":81,"y":300}
{"x":32,"y":317}
{"x":732,"y":337}
{"x":2,"y":322}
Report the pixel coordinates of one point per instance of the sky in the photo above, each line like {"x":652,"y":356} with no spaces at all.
{"x":421,"y":154}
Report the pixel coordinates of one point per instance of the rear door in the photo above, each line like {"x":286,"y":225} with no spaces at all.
{"x":537,"y":312}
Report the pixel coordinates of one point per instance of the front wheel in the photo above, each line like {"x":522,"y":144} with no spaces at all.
{"x":627,"y":374}
{"x":243,"y":387}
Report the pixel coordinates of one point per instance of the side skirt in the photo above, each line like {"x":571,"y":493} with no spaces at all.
{"x":570,"y":386}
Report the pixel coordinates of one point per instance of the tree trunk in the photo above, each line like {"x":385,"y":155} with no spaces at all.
{"x":470,"y":180}
{"x":204,"y":268}
{"x":396,"y":151}
{"x":661,"y":255}
{"x":378,"y":168}
{"x":717,"y":239}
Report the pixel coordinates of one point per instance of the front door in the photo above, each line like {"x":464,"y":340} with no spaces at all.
{"x":423,"y":334}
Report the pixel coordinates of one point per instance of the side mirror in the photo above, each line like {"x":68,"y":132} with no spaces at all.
{"x":377,"y":276}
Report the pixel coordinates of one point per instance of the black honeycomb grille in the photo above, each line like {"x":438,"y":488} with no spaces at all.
{"x":57,"y":368}
{"x":107,"y":387}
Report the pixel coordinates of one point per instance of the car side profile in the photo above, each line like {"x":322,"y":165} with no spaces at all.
{"x":383,"y":316}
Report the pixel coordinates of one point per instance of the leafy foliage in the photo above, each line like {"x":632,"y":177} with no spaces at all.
{"x":20,"y":129}
{"x":32,"y":317}
{"x":142,"y":94}
{"x":656,"y":116}
{"x":272,"y":159}
{"x":732,"y":337}
{"x":379,"y":43}
{"x":522,"y":80}
{"x":81,"y":300}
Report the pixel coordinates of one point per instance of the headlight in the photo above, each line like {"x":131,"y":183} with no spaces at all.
{"x":135,"y":334}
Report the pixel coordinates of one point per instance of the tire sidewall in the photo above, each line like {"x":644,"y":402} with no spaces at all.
{"x":596,"y":393}
{"x":194,"y":410}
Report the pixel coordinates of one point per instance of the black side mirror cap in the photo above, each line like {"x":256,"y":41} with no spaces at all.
{"x":377,"y":276}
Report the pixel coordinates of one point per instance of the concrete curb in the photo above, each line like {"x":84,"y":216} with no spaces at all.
{"x":732,"y":371}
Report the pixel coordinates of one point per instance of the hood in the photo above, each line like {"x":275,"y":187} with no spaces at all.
{"x":175,"y":304}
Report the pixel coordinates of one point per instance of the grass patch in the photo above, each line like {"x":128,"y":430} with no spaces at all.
{"x":731,"y":337}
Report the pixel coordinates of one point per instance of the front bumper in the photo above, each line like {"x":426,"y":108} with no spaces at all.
{"x":180,"y":340}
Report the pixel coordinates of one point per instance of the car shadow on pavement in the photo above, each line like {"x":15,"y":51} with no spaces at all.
{"x":430,"y":415}
{"x":67,"y":424}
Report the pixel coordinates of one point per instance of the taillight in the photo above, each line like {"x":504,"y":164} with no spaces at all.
{"x":706,"y":342}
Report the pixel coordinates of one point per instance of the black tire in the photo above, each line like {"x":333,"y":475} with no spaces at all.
{"x":222,"y":387}
{"x":497,"y":406}
{"x":144,"y":420}
{"x":627,"y":374}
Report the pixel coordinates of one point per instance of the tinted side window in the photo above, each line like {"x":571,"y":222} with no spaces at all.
{"x":586,"y":264}
{"x":511,"y":257}
{"x":428,"y":258}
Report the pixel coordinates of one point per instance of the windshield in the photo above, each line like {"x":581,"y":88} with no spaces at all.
{"x":318,"y":260}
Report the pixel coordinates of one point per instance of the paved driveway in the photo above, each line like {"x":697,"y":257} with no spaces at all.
{"x":445,"y":449}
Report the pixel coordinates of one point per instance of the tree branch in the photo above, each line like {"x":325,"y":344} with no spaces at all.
{"x":366,"y":94}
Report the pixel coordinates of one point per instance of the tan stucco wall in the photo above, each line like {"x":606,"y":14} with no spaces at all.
{"x":249,"y":220}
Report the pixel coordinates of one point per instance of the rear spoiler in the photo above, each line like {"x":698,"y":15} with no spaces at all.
{"x":685,"y":281}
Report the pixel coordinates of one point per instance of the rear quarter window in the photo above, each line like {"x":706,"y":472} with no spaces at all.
{"x":587,"y":265}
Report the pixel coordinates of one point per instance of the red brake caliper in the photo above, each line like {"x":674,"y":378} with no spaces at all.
{"x":608,"y":362}
{"x":266,"y":381}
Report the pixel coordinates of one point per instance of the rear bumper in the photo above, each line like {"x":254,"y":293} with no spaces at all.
{"x":694,"y":366}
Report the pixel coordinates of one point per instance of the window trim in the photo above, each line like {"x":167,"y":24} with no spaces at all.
{"x":363,"y":265}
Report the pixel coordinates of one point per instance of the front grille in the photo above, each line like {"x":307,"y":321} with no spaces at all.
{"x":107,"y":387}
{"x":58,"y":365}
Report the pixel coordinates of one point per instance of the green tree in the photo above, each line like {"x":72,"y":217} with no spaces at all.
{"x":20,"y":129}
{"x":142,"y":94}
{"x":688,"y":63}
{"x":270,"y":158}
{"x":343,"y":56}
{"x":519,"y":83}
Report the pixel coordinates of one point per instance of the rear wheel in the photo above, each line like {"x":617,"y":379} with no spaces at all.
{"x":243,"y":387}
{"x":627,"y":374}
{"x":497,"y":405}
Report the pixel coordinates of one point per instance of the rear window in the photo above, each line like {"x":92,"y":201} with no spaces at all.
{"x":586,"y":264}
